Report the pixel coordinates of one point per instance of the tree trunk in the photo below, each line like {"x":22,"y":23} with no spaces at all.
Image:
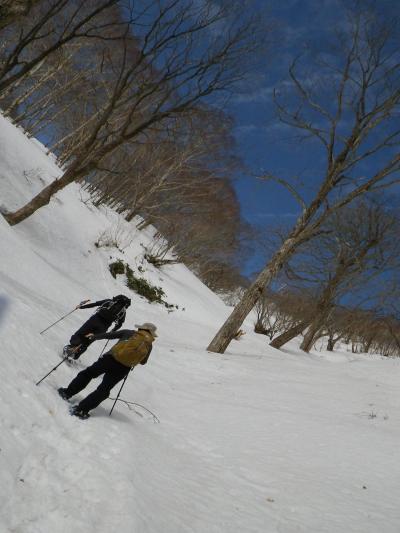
{"x":290,"y":334}
{"x":229,"y":329}
{"x":331,"y":344}
{"x":312,"y":332}
{"x":44,"y":196}
{"x":323,"y":308}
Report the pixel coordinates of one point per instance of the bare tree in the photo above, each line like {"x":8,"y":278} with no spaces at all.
{"x":337,"y":326}
{"x":367,"y":331}
{"x":39,"y":101}
{"x":51,"y":25}
{"x":205,"y":237}
{"x":179,"y":61}
{"x":12,"y":10}
{"x":356,"y":246}
{"x":353,"y":118}
{"x":177,"y":180}
{"x":299,"y":305}
{"x":273,"y":315}
{"x":173,"y":169}
{"x":364,"y":246}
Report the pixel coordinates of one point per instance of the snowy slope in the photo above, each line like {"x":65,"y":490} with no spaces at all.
{"x":255,"y":440}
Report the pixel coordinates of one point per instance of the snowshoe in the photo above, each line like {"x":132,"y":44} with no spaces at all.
{"x":67,"y":350}
{"x":80,"y":413}
{"x":72,"y":353}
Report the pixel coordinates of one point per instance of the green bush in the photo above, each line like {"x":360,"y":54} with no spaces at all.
{"x":143,"y":287}
{"x":140,"y":285}
{"x":117,"y":267}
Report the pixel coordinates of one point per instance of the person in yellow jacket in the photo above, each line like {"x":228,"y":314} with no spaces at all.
{"x":134,"y":347}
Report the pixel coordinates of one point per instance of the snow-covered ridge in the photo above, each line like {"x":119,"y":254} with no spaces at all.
{"x":253,"y":441}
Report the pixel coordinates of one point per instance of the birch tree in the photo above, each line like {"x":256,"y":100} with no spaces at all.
{"x":179,"y":58}
{"x":352,"y":118}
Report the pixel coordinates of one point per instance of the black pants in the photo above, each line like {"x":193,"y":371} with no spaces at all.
{"x":113,"y":373}
{"x":94,"y":325}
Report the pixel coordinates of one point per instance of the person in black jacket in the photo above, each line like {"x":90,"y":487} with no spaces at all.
{"x":134,"y":347}
{"x":109,"y":311}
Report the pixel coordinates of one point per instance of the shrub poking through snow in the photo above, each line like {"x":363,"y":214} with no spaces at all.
{"x":141,"y":286}
{"x":115,"y":236}
{"x":117,"y":267}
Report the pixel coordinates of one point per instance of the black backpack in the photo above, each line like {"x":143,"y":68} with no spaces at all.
{"x":114,"y":309}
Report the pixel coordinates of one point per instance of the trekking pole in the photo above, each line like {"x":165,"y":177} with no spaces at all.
{"x":52,"y":370}
{"x":62,"y":318}
{"x":119,"y":392}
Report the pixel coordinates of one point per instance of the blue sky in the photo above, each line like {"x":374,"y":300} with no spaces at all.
{"x":263,"y":143}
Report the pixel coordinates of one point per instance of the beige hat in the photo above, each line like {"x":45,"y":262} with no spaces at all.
{"x":149,"y":327}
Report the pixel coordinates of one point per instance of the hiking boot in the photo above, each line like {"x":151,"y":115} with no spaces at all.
{"x":80,"y":413}
{"x":63,"y":393}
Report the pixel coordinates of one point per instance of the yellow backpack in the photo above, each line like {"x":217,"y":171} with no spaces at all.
{"x":132,"y":351}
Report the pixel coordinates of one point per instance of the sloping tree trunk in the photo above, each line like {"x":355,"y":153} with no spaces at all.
{"x":224,"y":336}
{"x":325,"y":303}
{"x":290,"y":334}
{"x":323,"y":308}
{"x":44,"y":196}
{"x":312,"y":333}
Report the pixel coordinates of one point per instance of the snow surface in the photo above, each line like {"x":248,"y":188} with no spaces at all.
{"x":255,"y":440}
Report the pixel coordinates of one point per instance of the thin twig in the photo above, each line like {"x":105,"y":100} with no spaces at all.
{"x":156,"y":420}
